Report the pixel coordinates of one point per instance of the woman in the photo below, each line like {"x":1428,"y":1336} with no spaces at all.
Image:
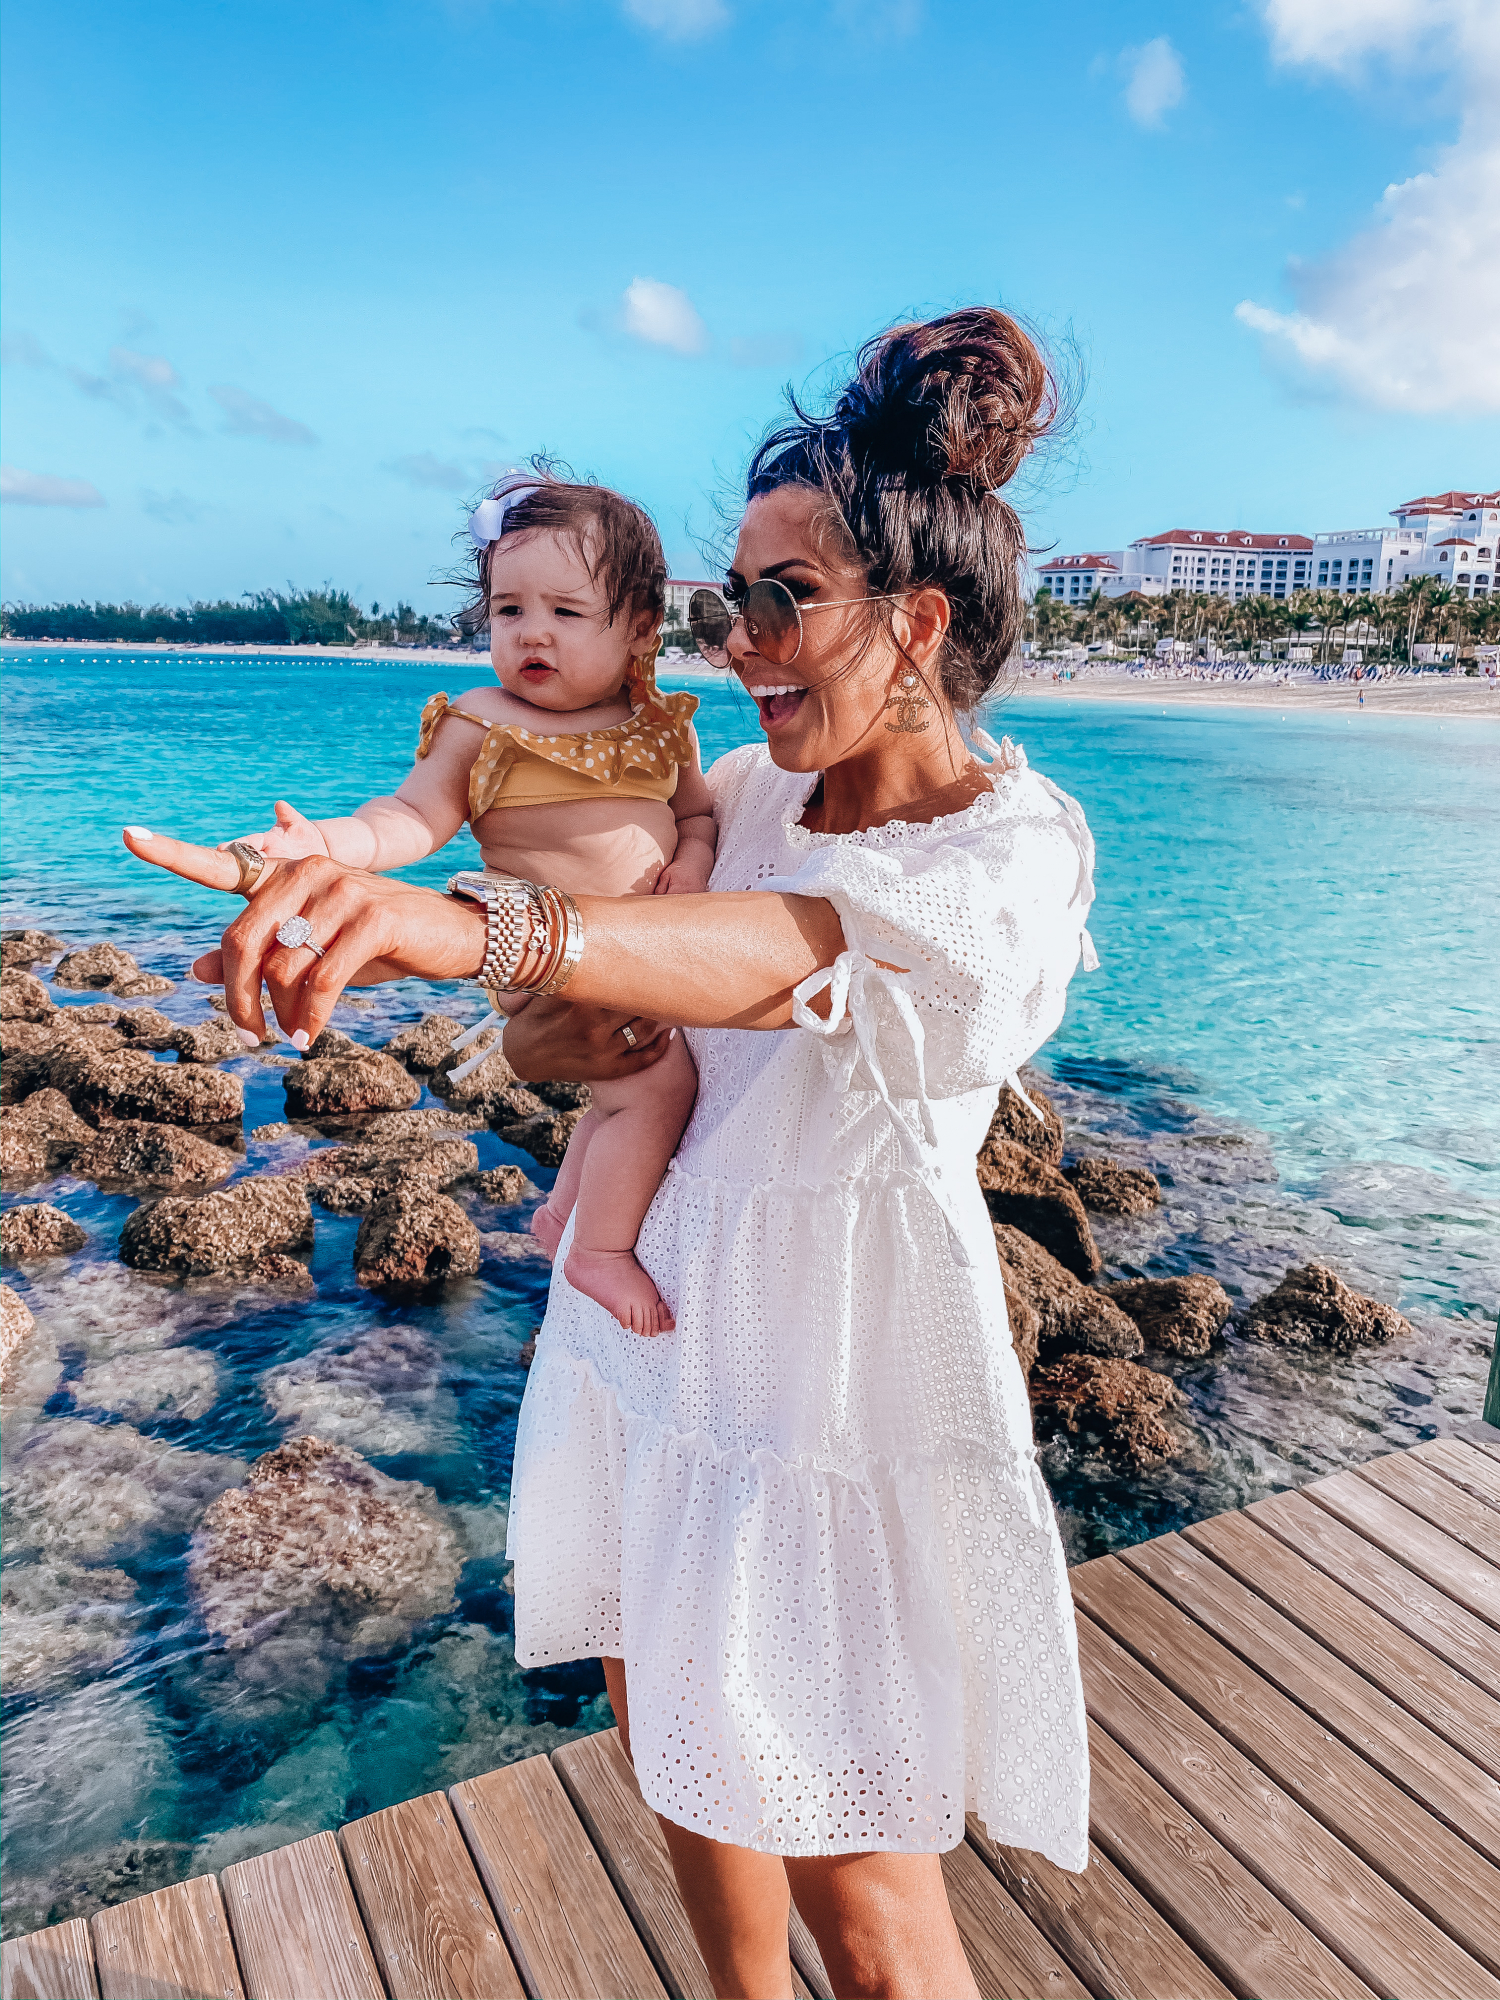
{"x":806,"y":1531}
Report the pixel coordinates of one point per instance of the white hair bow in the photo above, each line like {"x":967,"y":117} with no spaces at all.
{"x":487,"y":522}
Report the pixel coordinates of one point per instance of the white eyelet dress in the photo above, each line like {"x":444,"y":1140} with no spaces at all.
{"x":810,"y":1520}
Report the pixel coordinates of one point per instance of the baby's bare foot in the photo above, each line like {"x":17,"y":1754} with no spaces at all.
{"x":614,"y":1280}
{"x":547,"y":1230}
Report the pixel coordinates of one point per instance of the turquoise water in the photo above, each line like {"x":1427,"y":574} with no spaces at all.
{"x":1293,"y":1026}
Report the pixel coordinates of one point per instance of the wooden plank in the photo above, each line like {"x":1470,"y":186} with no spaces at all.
{"x":1360,"y":1504}
{"x":1463,"y":1714}
{"x":601,"y":1785}
{"x":434,"y":1935}
{"x":1441,"y":1778}
{"x":1208,"y":1896}
{"x":1424,"y":1490}
{"x":1466,"y":1465}
{"x":1412,"y":1604}
{"x":810,"y":1979}
{"x":171,"y":1945}
{"x":1391,"y":1945}
{"x":296,"y":1925}
{"x":1421,"y":1859}
{"x":54,"y":1964}
{"x":567,"y":1929}
{"x":1112,"y":1937}
{"x":1007,"y":1954}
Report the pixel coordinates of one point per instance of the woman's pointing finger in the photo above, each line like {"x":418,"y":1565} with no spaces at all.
{"x":207,"y":865}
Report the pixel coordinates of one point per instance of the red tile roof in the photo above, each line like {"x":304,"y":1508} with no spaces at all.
{"x":1211,"y":538}
{"x":1457,"y":542}
{"x":1452,"y":502}
{"x":1076,"y":562}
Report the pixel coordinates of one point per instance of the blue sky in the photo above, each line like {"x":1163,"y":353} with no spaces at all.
{"x":285,"y":283}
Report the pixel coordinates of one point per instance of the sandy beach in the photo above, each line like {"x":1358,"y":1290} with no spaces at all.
{"x":1473,"y":700}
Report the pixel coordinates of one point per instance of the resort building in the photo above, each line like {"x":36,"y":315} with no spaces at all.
{"x":1076,"y":578}
{"x":1452,"y":536}
{"x":1232,"y":564}
{"x":679,"y":594}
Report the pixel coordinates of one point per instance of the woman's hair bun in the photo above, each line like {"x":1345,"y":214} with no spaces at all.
{"x":962,"y":397}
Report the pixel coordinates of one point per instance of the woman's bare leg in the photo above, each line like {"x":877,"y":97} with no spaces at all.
{"x":737,"y":1902}
{"x":883,"y":1925}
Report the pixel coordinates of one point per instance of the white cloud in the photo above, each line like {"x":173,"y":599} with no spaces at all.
{"x":425,"y":468}
{"x":662,"y":316}
{"x":1154,"y":82}
{"x":156,"y":380}
{"x":44,"y":489}
{"x":679,"y":20}
{"x":1406,"y":315}
{"x":248,"y":416}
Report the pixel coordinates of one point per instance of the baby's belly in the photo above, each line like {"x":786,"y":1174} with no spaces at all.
{"x":616,"y":847}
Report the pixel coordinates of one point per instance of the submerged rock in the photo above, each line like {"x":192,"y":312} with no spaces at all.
{"x":376,"y":1390}
{"x":210,"y":1233}
{"x":1013,"y":1124}
{"x":1072,"y":1318}
{"x":39,"y":1230}
{"x":23,"y":998}
{"x":39,"y":1135}
{"x":316,"y":1528}
{"x":16,"y":1323}
{"x":1313,"y":1307}
{"x":132,"y":1153}
{"x":504,"y":1186}
{"x":1178,"y":1315}
{"x":415,"y":1237}
{"x":105,"y":965}
{"x":367,"y":1081}
{"x":178,"y":1382}
{"x":351,"y":1179}
{"x":1110,"y":1189}
{"x":81,"y":1491}
{"x":1111,"y":1403}
{"x":60,"y":1618}
{"x":1025,"y":1193}
{"x":427,"y":1043}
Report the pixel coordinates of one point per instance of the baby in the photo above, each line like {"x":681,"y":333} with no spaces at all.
{"x":574,"y":771}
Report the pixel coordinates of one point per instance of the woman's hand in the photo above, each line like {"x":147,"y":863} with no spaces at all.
{"x":370,"y":927}
{"x":555,"y":1041}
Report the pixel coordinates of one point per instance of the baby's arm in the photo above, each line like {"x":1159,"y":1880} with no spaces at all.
{"x":687,"y":873}
{"x":391,"y":832}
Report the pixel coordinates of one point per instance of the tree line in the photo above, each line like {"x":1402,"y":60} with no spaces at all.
{"x":1385,"y":627}
{"x":290,"y":617}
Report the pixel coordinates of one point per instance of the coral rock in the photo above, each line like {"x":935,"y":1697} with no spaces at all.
{"x":80,"y":1490}
{"x":39,"y":1135}
{"x":1072,"y":1317}
{"x":178,"y":1382}
{"x":415,"y":1237}
{"x":488,"y":1087}
{"x":1025,"y":1325}
{"x":315,"y":1528}
{"x":210,"y":1233}
{"x":126,"y":1083}
{"x":26,"y":1037}
{"x":1027,"y":1194}
{"x":367,"y":1082}
{"x":545,"y":1134}
{"x":1178,"y":1315}
{"x":503,"y":1185}
{"x":16,"y":1322}
{"x":20,"y":950}
{"x":1313,"y":1307}
{"x":29,"y":1234}
{"x":23,"y":998}
{"x":207,"y":1042}
{"x":148,"y":1029}
{"x":1110,"y":1189}
{"x":346,"y":1390}
{"x":427,"y":1043}
{"x":1114,"y":1404}
{"x":102,"y":965}
{"x":131,"y":1153}
{"x":385,"y":1165}
{"x":60,"y":1618}
{"x":1014,"y":1124}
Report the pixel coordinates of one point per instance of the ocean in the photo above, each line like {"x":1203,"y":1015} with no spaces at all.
{"x":1298,"y":922}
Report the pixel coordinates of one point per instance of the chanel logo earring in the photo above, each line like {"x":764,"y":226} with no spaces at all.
{"x":909,"y":701}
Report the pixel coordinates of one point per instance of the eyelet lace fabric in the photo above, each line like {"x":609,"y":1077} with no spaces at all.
{"x":810,"y":1520}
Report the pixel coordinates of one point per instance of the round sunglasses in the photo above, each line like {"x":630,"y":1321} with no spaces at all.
{"x":773,"y":621}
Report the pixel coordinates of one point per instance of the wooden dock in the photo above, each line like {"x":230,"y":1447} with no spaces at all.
{"x":1295,"y":1726}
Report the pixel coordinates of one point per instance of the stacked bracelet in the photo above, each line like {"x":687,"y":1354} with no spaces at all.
{"x":522,"y":917}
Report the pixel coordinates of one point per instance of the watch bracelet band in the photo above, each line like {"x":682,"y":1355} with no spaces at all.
{"x":521,"y":915}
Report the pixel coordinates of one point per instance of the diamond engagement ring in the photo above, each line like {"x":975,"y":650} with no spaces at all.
{"x":295,"y":933}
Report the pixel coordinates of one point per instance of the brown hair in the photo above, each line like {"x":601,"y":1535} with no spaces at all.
{"x":938,"y":415}
{"x":616,"y":541}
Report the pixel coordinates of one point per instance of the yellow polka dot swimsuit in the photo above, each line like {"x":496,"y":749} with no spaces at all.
{"x":636,"y":759}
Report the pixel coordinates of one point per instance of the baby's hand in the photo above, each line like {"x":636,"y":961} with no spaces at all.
{"x":686,"y":876}
{"x":292,"y":838}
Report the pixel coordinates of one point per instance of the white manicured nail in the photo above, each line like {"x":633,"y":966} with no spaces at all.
{"x":672,"y":1036}
{"x":249,"y":1037}
{"x":140,"y":832}
{"x":299,"y":1038}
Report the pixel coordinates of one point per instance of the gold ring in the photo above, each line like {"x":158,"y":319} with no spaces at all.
{"x":252,"y":866}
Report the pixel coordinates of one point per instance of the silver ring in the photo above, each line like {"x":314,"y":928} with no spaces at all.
{"x":629,"y":1033}
{"x":297,"y":932}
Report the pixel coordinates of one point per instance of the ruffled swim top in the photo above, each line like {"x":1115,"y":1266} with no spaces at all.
{"x":635,"y":759}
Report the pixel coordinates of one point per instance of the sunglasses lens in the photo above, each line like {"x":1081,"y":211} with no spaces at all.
{"x":772,"y":622}
{"x":709,"y":621}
